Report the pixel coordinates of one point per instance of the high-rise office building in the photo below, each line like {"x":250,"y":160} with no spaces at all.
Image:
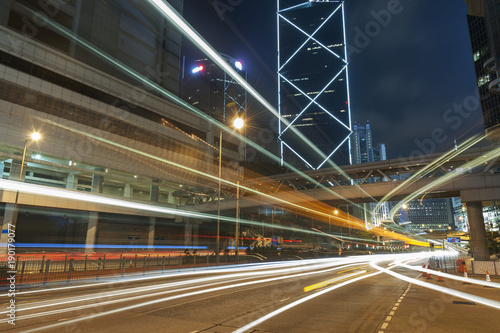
{"x":363,"y":149}
{"x":484,"y":30}
{"x":430,"y":215}
{"x":210,"y":89}
{"x":313,"y":83}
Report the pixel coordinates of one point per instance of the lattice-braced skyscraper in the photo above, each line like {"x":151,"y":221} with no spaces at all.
{"x":313,"y":83}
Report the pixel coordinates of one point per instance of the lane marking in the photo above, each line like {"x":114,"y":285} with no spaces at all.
{"x":384,"y":326}
{"x":300,"y":301}
{"x":388,"y":318}
{"x":327,"y":282}
{"x":351,"y":269}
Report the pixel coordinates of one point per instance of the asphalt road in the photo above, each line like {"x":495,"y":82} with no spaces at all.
{"x":346,"y":295}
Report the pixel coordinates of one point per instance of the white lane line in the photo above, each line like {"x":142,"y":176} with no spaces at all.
{"x":448,"y":291}
{"x":305,"y":299}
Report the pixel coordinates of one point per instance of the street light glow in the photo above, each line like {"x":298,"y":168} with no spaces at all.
{"x":35,"y":136}
{"x":238,"y":123}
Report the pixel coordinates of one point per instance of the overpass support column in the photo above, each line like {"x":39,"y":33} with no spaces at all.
{"x":155,"y":191}
{"x":97,"y":183}
{"x":151,"y":233}
{"x":478,"y":240}
{"x":72,"y":181}
{"x":8,"y":217}
{"x":188,"y":233}
{"x":91,"y":232}
{"x":11,"y":209}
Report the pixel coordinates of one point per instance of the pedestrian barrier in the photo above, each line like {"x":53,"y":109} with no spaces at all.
{"x":90,"y":268}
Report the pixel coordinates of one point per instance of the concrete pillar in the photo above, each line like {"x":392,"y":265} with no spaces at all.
{"x":196,"y":230}
{"x":155,"y":192}
{"x":8,"y":217}
{"x":72,"y":181}
{"x":91,"y":232}
{"x":97,"y":182}
{"x":478,"y":240}
{"x":128,"y":191}
{"x":15,"y":169}
{"x":151,"y":233}
{"x":188,"y":231}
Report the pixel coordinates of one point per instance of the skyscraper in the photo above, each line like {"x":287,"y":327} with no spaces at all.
{"x":210,"y":89}
{"x":313,"y":83}
{"x":363,"y":149}
{"x":362,"y":146}
{"x":484,"y":31}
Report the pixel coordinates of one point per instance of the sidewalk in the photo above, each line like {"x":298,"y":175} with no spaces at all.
{"x":426,"y":310}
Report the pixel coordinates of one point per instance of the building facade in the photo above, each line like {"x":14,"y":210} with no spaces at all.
{"x":75,"y":79}
{"x":210,"y":89}
{"x":484,"y":30}
{"x":207,"y":87}
{"x":430,"y":215}
{"x":313,"y":84}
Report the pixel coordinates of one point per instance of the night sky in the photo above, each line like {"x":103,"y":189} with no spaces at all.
{"x":409,"y":80}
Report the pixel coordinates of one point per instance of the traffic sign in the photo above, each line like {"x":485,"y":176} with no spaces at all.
{"x":454,"y":240}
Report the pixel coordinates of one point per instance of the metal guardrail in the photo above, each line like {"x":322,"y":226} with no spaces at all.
{"x":36,"y":271}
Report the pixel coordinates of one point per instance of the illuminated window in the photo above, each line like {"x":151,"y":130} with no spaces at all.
{"x":477,"y":55}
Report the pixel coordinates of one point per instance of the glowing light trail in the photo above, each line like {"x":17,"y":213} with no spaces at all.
{"x":448,"y":291}
{"x":166,"y":299}
{"x":182,"y":24}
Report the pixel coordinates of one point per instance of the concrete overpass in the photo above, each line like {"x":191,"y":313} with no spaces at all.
{"x":475,"y":183}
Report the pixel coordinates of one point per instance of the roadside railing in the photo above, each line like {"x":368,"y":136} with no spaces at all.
{"x":35,"y":271}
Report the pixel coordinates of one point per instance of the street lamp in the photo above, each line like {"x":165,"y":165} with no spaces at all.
{"x":238,"y":123}
{"x":35,"y":136}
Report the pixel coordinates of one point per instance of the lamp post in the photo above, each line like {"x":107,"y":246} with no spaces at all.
{"x":238,"y":123}
{"x":35,"y":136}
